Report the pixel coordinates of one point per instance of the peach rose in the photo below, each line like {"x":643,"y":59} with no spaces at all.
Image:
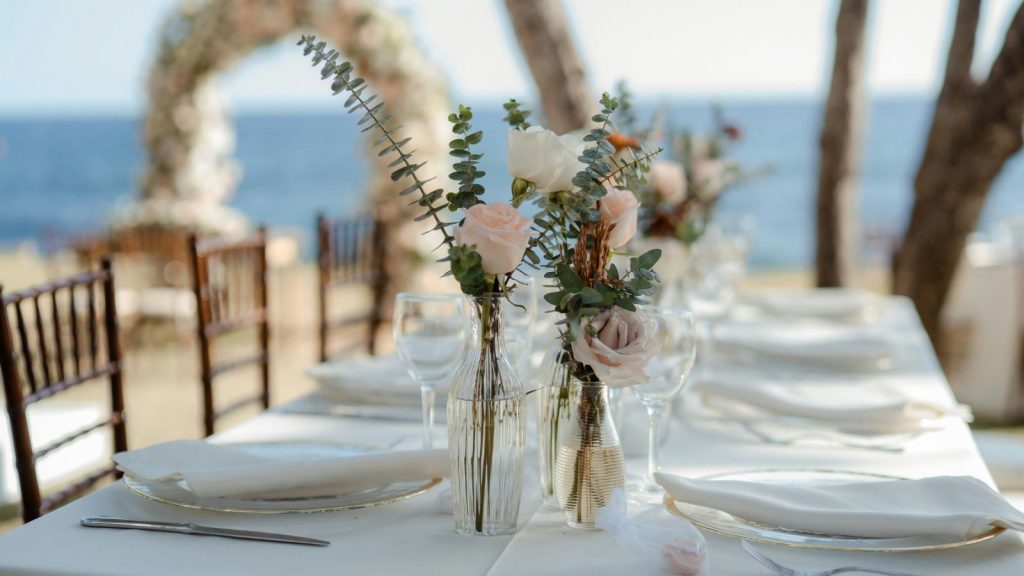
{"x":708,"y":176}
{"x":498,"y":232}
{"x":620,"y":207}
{"x":668,"y":180}
{"x":620,"y":348}
{"x":544,"y":158}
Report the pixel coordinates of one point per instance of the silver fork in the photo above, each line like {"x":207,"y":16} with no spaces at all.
{"x":785,"y":571}
{"x":819,"y":436}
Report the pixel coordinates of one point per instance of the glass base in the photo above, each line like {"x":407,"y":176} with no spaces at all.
{"x":589,"y":526}
{"x":550,"y":502}
{"x":488,"y":530}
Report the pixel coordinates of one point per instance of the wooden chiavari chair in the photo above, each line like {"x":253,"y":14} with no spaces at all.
{"x":230,"y":285}
{"x":53,"y":338}
{"x":350,"y":253}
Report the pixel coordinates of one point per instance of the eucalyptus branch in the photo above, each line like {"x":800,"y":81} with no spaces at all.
{"x":638,"y":162}
{"x":373,"y":119}
{"x":465,"y":170}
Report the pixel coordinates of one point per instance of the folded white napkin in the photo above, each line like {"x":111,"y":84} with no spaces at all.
{"x":212,"y":470}
{"x":827,"y":345}
{"x":368,"y":380}
{"x":833,"y":304}
{"x":959,"y":506}
{"x":869,"y":407}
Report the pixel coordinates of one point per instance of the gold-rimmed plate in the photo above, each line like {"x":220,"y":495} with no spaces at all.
{"x":729,"y":525}
{"x":177,"y":493}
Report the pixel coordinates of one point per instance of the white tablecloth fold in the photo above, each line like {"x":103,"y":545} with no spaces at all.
{"x":212,"y":470}
{"x":835,"y":346}
{"x":960,"y":506}
{"x":837,"y":304}
{"x":867,"y":407}
{"x":368,"y":380}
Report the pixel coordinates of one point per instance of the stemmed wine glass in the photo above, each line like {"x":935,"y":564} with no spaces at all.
{"x":710,"y":295}
{"x":430,"y":336}
{"x":667,"y":374}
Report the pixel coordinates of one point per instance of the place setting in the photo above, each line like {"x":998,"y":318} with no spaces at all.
{"x":545,"y":315}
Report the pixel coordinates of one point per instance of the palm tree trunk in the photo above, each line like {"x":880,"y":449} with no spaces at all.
{"x":551,"y":55}
{"x":838,"y":230}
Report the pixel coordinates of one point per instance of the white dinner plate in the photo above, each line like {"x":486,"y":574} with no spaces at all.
{"x":725,"y":523}
{"x":176,"y":492}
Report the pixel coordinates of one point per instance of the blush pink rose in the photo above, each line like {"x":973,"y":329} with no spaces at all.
{"x":620,"y":348}
{"x":620,"y":207}
{"x":498,"y":232}
{"x":668,"y":180}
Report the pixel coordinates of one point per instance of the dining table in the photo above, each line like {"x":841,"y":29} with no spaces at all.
{"x":416,"y":536}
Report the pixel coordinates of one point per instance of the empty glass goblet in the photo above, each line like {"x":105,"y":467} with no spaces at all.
{"x":667,"y":373}
{"x":429,"y":331}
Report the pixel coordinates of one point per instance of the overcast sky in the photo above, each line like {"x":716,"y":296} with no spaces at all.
{"x":90,"y":56}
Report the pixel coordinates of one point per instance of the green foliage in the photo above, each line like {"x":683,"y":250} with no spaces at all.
{"x":516,"y":116}
{"x":627,"y":116}
{"x":467,"y":268}
{"x":375,"y":118}
{"x":464,"y":170}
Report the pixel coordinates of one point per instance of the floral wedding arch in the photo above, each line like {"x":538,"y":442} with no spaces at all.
{"x":187,"y":133}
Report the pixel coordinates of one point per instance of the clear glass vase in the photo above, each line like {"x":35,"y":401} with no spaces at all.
{"x":589,"y":463}
{"x":486,"y":430}
{"x":555,"y":401}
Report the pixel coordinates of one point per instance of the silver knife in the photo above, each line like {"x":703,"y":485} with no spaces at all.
{"x":195,"y":529}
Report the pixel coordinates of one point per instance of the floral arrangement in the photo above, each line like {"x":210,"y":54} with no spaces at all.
{"x":587,"y":209}
{"x":681,"y":193}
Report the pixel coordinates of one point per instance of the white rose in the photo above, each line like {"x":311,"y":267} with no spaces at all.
{"x":621,"y":347}
{"x":544,"y":158}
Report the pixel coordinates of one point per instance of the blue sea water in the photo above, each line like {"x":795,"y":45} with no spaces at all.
{"x":69,"y":174}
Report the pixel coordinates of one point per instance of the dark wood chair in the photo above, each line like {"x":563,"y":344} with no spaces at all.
{"x":350,"y":253}
{"x":67,"y":335}
{"x":230,"y":284}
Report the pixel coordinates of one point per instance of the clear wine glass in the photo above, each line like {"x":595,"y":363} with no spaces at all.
{"x":667,"y":373}
{"x":430,"y":336}
{"x":710,"y":295}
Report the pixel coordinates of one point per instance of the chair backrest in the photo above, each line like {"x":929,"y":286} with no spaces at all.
{"x":52,"y":338}
{"x":230,"y":285}
{"x":350,"y":252}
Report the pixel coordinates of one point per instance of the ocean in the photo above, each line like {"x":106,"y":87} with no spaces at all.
{"x":68,"y":175}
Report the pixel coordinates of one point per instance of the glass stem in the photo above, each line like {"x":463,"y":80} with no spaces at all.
{"x":427,"y":396}
{"x":654,"y":419}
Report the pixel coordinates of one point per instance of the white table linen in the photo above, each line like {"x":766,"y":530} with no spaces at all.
{"x":414,"y":537}
{"x":958,"y":506}
{"x":870,"y":407}
{"x":212,"y":470}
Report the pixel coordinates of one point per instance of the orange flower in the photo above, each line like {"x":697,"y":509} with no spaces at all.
{"x":620,"y":141}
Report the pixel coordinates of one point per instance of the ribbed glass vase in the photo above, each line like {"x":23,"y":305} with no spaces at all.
{"x":555,"y":402}
{"x":589,"y":463}
{"x":486,"y":430}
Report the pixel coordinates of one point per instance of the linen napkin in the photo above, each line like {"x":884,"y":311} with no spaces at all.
{"x":866,"y":407}
{"x":368,"y":380}
{"x":830,"y":304}
{"x":212,"y":470}
{"x":823,"y":345}
{"x":958,"y":506}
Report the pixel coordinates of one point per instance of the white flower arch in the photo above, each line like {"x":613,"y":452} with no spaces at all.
{"x":191,"y":172}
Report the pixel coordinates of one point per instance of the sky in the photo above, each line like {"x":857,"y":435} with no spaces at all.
{"x":73,"y":57}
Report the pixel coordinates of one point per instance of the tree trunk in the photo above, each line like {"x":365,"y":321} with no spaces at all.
{"x":838,"y":230}
{"x":551,"y":55}
{"x":975,"y":129}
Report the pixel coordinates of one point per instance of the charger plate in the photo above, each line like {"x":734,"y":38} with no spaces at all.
{"x":177,"y":493}
{"x":729,"y":525}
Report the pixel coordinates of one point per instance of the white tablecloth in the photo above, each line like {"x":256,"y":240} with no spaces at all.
{"x":414,"y":537}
